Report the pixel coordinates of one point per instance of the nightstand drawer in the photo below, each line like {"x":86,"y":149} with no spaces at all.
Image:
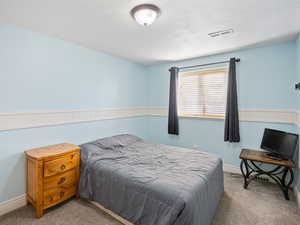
{"x":57,"y":195}
{"x":65,"y":179}
{"x":61,"y":164}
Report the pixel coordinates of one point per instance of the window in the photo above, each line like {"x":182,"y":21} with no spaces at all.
{"x":203,"y":93}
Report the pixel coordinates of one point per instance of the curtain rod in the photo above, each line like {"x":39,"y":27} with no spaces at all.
{"x":208,"y":64}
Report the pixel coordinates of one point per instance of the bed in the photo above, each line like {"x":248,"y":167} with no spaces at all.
{"x":151,"y":184}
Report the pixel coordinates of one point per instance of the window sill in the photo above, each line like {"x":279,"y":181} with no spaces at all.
{"x":203,"y":117}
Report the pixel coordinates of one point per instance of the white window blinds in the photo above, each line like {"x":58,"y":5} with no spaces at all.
{"x":203,"y":93}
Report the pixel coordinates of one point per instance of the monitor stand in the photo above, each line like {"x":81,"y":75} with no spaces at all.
{"x":275,"y":156}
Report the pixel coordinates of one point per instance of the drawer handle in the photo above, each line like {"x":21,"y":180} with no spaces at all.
{"x":72,"y":156}
{"x":62,"y":194}
{"x":61,"y":180}
{"x":63,"y":167}
{"x":50,"y":199}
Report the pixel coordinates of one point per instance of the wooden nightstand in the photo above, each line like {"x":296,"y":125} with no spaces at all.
{"x":52,"y":175}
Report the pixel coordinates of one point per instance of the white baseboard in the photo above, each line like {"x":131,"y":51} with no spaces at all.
{"x":231,"y":169}
{"x":297,"y":194}
{"x":12,"y":204}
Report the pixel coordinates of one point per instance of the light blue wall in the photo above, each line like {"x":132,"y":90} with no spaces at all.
{"x":265,"y":81}
{"x":43,"y":73}
{"x":38,"y":73}
{"x":207,"y":135}
{"x":265,"y":77}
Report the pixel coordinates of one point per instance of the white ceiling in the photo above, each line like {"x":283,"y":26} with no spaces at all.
{"x":179,"y":33}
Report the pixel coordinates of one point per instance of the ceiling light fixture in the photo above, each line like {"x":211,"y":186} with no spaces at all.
{"x":145,"y":14}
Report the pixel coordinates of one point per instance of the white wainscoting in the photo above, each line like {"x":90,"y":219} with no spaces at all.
{"x":11,"y":121}
{"x":297,"y":120}
{"x":19,"y":120}
{"x":272,"y":116}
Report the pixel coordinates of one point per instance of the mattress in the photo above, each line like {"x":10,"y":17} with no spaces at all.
{"x":151,"y":184}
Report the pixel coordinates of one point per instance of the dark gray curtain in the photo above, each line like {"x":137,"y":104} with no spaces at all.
{"x":173,"y":115}
{"x":232,"y":130}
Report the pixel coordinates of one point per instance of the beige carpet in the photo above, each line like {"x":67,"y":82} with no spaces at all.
{"x":261,"y":204}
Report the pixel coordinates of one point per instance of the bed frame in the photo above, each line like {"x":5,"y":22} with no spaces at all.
{"x":111,"y":213}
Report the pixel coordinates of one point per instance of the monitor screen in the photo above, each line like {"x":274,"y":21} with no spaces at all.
{"x":280,"y":142}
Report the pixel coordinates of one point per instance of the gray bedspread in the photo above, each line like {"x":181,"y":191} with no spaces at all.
{"x":151,"y":184}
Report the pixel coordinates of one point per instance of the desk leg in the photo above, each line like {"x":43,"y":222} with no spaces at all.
{"x":278,"y":175}
{"x":244,"y":164}
{"x":286,"y":186}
